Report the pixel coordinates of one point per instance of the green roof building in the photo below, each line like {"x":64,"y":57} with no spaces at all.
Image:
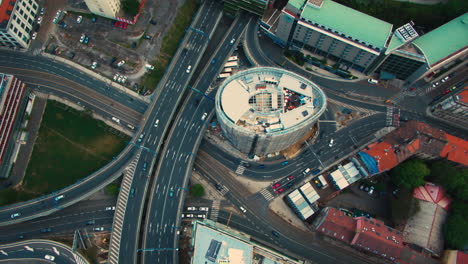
{"x":323,"y":27}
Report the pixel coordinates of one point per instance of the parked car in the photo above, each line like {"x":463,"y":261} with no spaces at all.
{"x":373,"y":81}
{"x":49,"y":257}
{"x":191,"y":208}
{"x":120,"y":63}
{"x":79,"y":19}
{"x":82,"y":38}
{"x":276,"y":185}
{"x":94,"y":65}
{"x":34,"y":35}
{"x":39,"y":20}
{"x":110,"y":208}
{"x":98,"y":229}
{"x":284,"y":163}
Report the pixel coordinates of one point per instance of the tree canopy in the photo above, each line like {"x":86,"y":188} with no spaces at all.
{"x":130,"y":6}
{"x":112,"y":189}
{"x":454,"y":181}
{"x":410,"y":174}
{"x":455,"y":231}
{"x":197,"y":190}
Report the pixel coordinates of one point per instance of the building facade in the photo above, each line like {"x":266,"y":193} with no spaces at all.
{"x":13,"y":101}
{"x":453,"y":108}
{"x":265,"y":110}
{"x":105,"y":8}
{"x":312,"y":25}
{"x":16,"y":22}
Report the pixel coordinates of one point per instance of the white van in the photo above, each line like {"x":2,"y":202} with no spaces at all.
{"x":322,"y":181}
{"x":331,"y":143}
{"x":306,"y":171}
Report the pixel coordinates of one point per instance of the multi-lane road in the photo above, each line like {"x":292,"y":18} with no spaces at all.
{"x":157,"y":121}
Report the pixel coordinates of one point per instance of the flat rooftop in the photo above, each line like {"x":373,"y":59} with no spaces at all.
{"x":216,"y":243}
{"x":268,"y":99}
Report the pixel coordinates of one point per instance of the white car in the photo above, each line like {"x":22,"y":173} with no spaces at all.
{"x":331,"y":143}
{"x":98,"y":228}
{"x":242,"y":209}
{"x":120,"y":79}
{"x":188,"y":68}
{"x":189,"y":215}
{"x":204,"y":116}
{"x":149,"y":67}
{"x":94,"y":65}
{"x":156,"y":123}
{"x":79,"y":19}
{"x":34,"y":35}
{"x":124,"y":79}
{"x":83,"y":36}
{"x":232,"y":41}
{"x":110,"y":208}
{"x":373,"y":81}
{"x":59,"y":197}
{"x":121,"y":63}
{"x":39,"y":20}
{"x":49,"y":257}
{"x":116,"y":76}
{"x":205,"y":209}
{"x":201,"y":216}
{"x":192,"y":208}
{"x":15,"y":215}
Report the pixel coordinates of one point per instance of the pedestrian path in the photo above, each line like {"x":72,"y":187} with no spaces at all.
{"x":215,"y":210}
{"x":224,"y":190}
{"x":114,"y":249}
{"x":267,"y":194}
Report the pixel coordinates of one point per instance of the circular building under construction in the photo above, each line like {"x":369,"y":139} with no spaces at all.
{"x":265,"y":110}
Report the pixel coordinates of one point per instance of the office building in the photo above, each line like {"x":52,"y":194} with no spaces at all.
{"x":265,"y":110}
{"x":16,"y":22}
{"x":105,"y":8}
{"x":12,"y":105}
{"x":453,"y":108}
{"x":326,"y":28}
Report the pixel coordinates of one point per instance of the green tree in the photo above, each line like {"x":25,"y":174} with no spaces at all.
{"x":197,"y":190}
{"x":455,"y":231}
{"x":130,"y":6}
{"x":112,"y":189}
{"x":454,"y":181}
{"x":403,"y":206}
{"x":410,"y":174}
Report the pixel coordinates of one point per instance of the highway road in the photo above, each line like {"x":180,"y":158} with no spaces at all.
{"x":157,"y":121}
{"x":35,"y":251}
{"x":41,"y":70}
{"x":160,"y":242}
{"x":63,"y":223}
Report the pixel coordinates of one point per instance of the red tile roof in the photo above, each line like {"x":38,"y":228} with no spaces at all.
{"x":455,"y":150}
{"x":338,"y":225}
{"x":374,"y":236}
{"x":413,"y":137}
{"x":462,"y":258}
{"x":464,"y":95}
{"x":384,"y":155}
{"x":6,"y":8}
{"x":432,"y":193}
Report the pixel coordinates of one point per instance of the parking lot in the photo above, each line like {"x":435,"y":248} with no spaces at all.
{"x":119,"y":51}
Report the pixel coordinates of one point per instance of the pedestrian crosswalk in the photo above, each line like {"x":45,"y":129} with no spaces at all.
{"x":390,"y":115}
{"x":267,"y":194}
{"x":224,"y":190}
{"x":79,"y":259}
{"x":240,"y":169}
{"x":215,"y":210}
{"x":393,"y":116}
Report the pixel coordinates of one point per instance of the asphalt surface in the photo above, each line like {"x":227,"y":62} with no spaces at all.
{"x":157,"y":122}
{"x":44,"y":71}
{"x":36,"y":251}
{"x":160,"y":241}
{"x":292,"y":241}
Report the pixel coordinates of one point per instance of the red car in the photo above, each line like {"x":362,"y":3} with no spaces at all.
{"x":291,"y":177}
{"x":279,"y":190}
{"x":120,"y":24}
{"x":276,"y":185}
{"x":446,"y":91}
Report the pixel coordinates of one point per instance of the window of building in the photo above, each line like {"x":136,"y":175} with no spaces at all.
{"x":21,"y":12}
{"x":15,"y":30}
{"x":34,"y":6}
{"x":30,"y":21}
{"x":23,"y":25}
{"x":20,"y":34}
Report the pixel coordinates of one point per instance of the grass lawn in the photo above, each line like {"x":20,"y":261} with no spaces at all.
{"x":70,"y":146}
{"x":170,"y":43}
